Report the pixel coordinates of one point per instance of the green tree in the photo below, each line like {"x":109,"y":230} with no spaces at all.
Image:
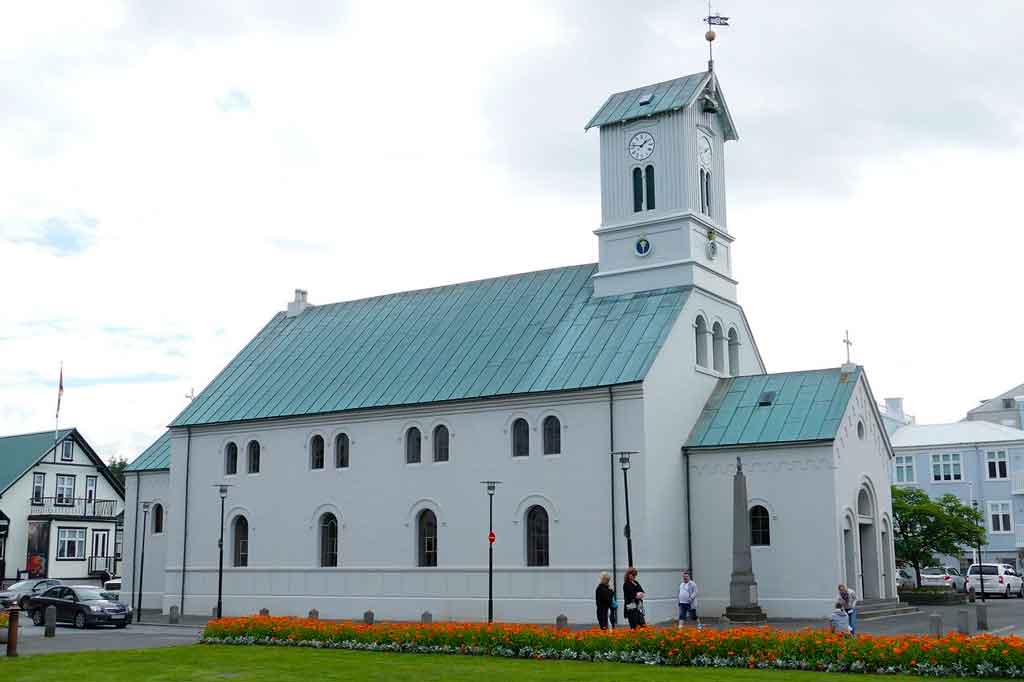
{"x":924,"y":527}
{"x":117,"y":467}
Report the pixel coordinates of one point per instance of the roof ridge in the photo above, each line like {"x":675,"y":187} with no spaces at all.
{"x":654,"y":85}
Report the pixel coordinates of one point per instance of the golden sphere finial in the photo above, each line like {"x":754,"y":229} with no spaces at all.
{"x":709,"y":36}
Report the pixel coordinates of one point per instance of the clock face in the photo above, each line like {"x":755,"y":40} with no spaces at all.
{"x":641,"y":146}
{"x":704,"y":150}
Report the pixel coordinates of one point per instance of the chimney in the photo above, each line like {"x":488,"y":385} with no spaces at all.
{"x":296,"y":307}
{"x":894,"y":406}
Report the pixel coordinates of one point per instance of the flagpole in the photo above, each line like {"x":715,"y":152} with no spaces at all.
{"x":56,"y":419}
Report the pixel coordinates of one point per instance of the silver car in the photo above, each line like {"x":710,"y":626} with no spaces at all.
{"x":20,"y":592}
{"x":943,"y":576}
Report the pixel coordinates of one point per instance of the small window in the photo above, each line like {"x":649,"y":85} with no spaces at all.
{"x":904,"y":468}
{"x":328,"y":540}
{"x":734,"y":353}
{"x":70,"y":543}
{"x":441,"y":443}
{"x":1008,"y":403}
{"x":700,"y":331}
{"x":90,"y":488}
{"x":860,"y":430}
{"x":341,"y":444}
{"x":718,"y":347}
{"x":649,"y":178}
{"x":65,"y":490}
{"x":638,"y":190}
{"x":241,"y":542}
{"x":520,"y":438}
{"x":1001,"y":520}
{"x":537,"y":536}
{"x":426,"y":531}
{"x":413,"y":446}
{"x":995,"y":461}
{"x":760,"y":534}
{"x":254,"y":457}
{"x":231,"y":459}
{"x":766,"y":399}
{"x":158,"y":519}
{"x":38,"y":485}
{"x":316,"y":452}
{"x":552,"y":435}
{"x":947,"y":467}
{"x":67,"y":452}
{"x":646,"y":98}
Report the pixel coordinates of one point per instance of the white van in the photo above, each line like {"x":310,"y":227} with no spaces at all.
{"x":999,"y":579}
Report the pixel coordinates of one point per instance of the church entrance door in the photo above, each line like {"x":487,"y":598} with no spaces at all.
{"x":849,"y":555}
{"x":869,"y":555}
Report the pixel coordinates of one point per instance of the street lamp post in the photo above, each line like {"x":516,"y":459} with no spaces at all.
{"x":981,"y":564}
{"x":222,"y":488}
{"x":624,"y":462}
{"x":142,"y":560}
{"x":490,"y":485}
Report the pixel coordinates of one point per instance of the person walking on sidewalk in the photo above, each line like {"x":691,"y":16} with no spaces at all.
{"x":687,"y":599}
{"x":603,"y":596}
{"x":633,"y":596}
{"x":849,"y":599}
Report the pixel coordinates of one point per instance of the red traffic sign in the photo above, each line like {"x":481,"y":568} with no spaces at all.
{"x":491,"y":537}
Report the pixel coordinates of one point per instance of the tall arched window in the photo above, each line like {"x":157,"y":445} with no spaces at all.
{"x":703,"y":192}
{"x":536,"y":536}
{"x":520,"y":438}
{"x":328,"y":540}
{"x":158,"y":518}
{"x":231,"y":459}
{"x":341,"y":451}
{"x":700,"y":337}
{"x":413,"y":445}
{"x":316,"y":452}
{"x":552,"y":429}
{"x":760,"y":534}
{"x":734,"y":352}
{"x":254,"y":457}
{"x":240,"y":529}
{"x":649,"y":198}
{"x":426,"y":538}
{"x":441,"y":443}
{"x":707,"y":192}
{"x":718,"y":347}
{"x":638,"y":190}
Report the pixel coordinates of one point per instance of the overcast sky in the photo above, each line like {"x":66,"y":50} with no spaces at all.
{"x":172,"y":171}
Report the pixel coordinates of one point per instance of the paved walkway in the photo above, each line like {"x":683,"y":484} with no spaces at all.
{"x":31,"y":639}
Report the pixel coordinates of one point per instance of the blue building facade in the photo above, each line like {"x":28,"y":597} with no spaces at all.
{"x":979,"y":462}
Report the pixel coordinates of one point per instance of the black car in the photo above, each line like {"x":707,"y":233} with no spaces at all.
{"x":83,"y":606}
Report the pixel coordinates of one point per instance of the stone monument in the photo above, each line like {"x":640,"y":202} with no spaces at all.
{"x":743,"y":606}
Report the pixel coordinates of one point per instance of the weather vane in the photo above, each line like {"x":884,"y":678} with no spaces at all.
{"x":715,"y":19}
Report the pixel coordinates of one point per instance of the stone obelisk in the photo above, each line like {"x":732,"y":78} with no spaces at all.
{"x":743,"y":606}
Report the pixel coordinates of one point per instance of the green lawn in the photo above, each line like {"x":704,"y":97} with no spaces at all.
{"x":275,"y":664}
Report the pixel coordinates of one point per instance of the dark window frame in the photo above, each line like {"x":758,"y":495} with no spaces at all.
{"x":231,"y":458}
{"x":41,"y":477}
{"x":760,"y":526}
{"x":426,"y":539}
{"x":329,"y":541}
{"x":413,"y":445}
{"x":67,"y":451}
{"x":158,"y":518}
{"x":239,"y":542}
{"x":638,"y":190}
{"x":441,"y":446}
{"x":253,"y":456}
{"x":538,"y":536}
{"x":520,"y":437}
{"x":85,"y":535}
{"x":342,"y":444}
{"x":551,"y":429}
{"x":94,"y":480}
{"x":316,"y":452}
{"x":69,"y":501}
{"x":649,"y":203}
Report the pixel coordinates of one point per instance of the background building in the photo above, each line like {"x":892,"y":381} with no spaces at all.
{"x":1006,"y":409}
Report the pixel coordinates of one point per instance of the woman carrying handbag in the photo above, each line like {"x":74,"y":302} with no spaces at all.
{"x":633,"y":594}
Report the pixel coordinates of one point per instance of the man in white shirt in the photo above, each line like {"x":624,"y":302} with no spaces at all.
{"x":687,"y":598}
{"x":849,"y":599}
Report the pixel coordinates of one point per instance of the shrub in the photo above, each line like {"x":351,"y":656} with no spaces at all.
{"x":958,"y":655}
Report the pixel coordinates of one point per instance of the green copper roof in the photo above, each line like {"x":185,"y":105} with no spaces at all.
{"x":19,"y":453}
{"x":806,"y":406}
{"x":156,"y":456}
{"x":667,"y":96}
{"x":529,"y":333}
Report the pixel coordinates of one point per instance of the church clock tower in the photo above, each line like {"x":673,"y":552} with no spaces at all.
{"x":663,"y":219}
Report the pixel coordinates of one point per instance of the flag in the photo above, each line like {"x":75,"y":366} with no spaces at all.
{"x":60,"y":389}
{"x":716,"y":20}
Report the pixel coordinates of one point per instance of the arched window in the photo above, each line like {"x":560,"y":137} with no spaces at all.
{"x":316,"y":452}
{"x":536,"y":536}
{"x":341,"y":451}
{"x":718,"y":347}
{"x":440,"y":443}
{"x":734,"y":353}
{"x":520,"y":438}
{"x":413,"y":444}
{"x":700,"y":337}
{"x":158,"y":518}
{"x":638,"y":190}
{"x":552,"y":428}
{"x":254,"y":457}
{"x":328,"y":540}
{"x":707,"y":191}
{"x":426,"y":538}
{"x":760,"y":534}
{"x":649,"y":176}
{"x":231,"y":459}
{"x":241,"y":541}
{"x":703,"y":193}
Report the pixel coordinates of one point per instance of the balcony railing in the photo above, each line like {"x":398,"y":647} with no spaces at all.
{"x":1018,"y":532}
{"x":102,"y":564}
{"x":1018,"y":483}
{"x":78,"y":506}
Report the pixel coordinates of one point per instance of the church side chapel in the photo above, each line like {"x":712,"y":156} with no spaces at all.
{"x":354,"y":436}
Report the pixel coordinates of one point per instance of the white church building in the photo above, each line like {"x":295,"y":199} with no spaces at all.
{"x":355,"y":435}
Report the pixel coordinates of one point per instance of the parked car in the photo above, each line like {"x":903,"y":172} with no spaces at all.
{"x":943,"y":576}
{"x":85,"y":606}
{"x":20,"y":592}
{"x":998,"y":579}
{"x":113,"y":586}
{"x":905,"y":578}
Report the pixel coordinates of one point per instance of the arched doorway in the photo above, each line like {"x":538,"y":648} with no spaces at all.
{"x":869,"y":555}
{"x":850,"y":555}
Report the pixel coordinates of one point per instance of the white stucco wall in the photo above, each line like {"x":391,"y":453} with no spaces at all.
{"x":154,"y":489}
